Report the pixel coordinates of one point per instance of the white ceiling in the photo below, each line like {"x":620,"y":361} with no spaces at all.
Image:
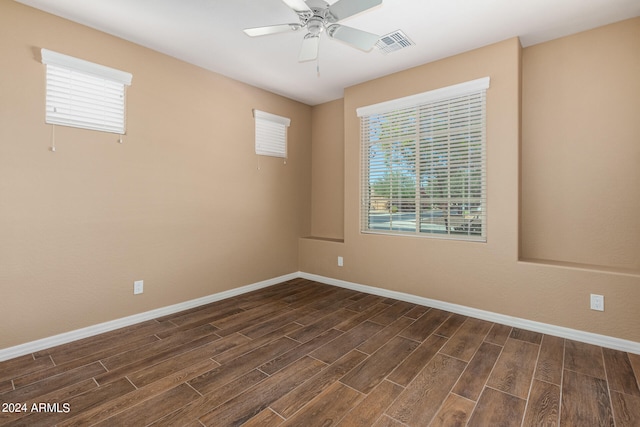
{"x":208,"y":33}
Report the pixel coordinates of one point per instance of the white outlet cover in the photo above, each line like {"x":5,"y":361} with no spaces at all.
{"x":138,"y":287}
{"x":340,"y":261}
{"x":597,"y":302}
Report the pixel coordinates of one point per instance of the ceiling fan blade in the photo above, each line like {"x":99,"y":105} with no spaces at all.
{"x":271,"y":29}
{"x":344,"y":8}
{"x":356,"y":38}
{"x":309,"y":50}
{"x":297,"y":5}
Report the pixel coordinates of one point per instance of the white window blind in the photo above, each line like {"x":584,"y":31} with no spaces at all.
{"x":271,"y":134}
{"x":424,"y":164}
{"x":83,"y":94}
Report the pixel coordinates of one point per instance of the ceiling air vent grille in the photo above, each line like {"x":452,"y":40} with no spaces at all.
{"x":393,"y":41}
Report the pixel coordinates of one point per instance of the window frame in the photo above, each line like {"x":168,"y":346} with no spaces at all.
{"x":83,"y":94}
{"x":397,"y":157}
{"x":271,"y":134}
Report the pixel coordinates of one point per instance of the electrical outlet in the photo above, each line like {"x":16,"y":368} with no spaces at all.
{"x":340,"y":261}
{"x":597,"y":302}
{"x":138,"y":287}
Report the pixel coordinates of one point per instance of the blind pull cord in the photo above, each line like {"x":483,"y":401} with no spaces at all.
{"x":53,"y":138}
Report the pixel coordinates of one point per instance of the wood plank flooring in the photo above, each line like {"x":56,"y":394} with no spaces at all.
{"x":307,"y":354}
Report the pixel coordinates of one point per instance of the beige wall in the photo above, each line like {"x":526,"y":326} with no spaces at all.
{"x":487,"y":276}
{"x":181,"y":204}
{"x":186,"y":205}
{"x":581,"y":148}
{"x":327,"y":183}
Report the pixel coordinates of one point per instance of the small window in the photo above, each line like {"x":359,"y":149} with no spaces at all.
{"x":424,"y":164}
{"x":271,"y":134}
{"x":83,"y":94}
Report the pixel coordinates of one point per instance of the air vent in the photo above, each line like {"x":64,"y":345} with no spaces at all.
{"x":393,"y":41}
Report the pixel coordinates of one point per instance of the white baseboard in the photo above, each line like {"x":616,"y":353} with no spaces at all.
{"x":573,"y":334}
{"x":67,"y":337}
{"x":530,"y":325}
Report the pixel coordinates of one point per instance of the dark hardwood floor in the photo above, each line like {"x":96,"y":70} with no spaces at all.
{"x":307,"y":354}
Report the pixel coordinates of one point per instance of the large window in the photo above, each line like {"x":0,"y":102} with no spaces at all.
{"x":83,"y":94}
{"x":424,"y":164}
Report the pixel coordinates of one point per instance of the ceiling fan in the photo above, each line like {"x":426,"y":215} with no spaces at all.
{"x":317,"y":16}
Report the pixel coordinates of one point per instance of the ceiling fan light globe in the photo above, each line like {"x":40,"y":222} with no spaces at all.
{"x":315,"y":26}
